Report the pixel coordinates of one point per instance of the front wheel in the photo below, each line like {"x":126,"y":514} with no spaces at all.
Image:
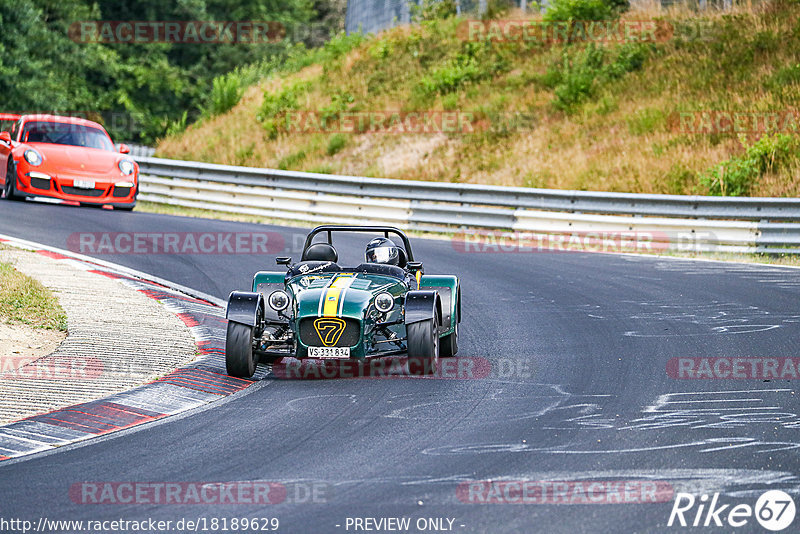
{"x":423,"y":347}
{"x":9,"y":191}
{"x":450,"y":344}
{"x":239,"y":358}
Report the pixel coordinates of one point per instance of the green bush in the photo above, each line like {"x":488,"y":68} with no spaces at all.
{"x":451,"y":76}
{"x":738,"y":175}
{"x":786,"y":76}
{"x":274,"y":104}
{"x":336,"y":143}
{"x":432,"y":9}
{"x":381,"y":49}
{"x":176,"y":127}
{"x":646,"y":121}
{"x":577,"y":78}
{"x":679,"y":180}
{"x":631,"y":57}
{"x":244,"y":153}
{"x":340,"y":102}
{"x":584,"y":10}
{"x":476,"y":61}
{"x":292,"y":160}
{"x":226,"y":92}
{"x":581,"y":73}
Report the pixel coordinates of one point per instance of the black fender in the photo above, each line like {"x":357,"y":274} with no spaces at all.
{"x":458,"y":303}
{"x":422,"y":305}
{"x":243,"y":307}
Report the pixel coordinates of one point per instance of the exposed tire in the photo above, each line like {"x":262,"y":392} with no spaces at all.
{"x":239,"y":358}
{"x":423,"y":347}
{"x":449,"y":344}
{"x":9,"y":190}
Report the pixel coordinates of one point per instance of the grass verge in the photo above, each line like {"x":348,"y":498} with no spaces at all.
{"x":25,"y":300}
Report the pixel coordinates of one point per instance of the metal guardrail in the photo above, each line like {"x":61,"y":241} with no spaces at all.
{"x":732,"y":224}
{"x":140,"y":151}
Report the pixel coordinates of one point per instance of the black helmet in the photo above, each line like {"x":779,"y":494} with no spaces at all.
{"x":382,"y":250}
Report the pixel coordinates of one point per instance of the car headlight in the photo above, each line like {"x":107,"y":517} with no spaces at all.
{"x":33,"y":157}
{"x":384,"y":302}
{"x":126,"y":166}
{"x":278,"y":300}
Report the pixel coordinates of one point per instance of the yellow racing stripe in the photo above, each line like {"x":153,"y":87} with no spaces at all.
{"x":330,"y":307}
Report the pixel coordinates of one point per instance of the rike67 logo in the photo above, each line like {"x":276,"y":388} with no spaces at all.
{"x":774,"y":510}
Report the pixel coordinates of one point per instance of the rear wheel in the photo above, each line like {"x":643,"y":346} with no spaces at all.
{"x":423,"y":347}
{"x":239,"y":358}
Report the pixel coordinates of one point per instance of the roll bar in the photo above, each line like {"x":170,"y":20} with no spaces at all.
{"x":386,"y":230}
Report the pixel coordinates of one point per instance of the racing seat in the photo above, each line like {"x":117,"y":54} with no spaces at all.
{"x":320,"y":252}
{"x":402,"y":261}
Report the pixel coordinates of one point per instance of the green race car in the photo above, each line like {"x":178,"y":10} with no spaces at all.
{"x":386,"y":306}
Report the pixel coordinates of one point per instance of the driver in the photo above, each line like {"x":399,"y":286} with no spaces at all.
{"x":382,"y":250}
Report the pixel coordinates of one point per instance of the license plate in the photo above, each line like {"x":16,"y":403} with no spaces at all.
{"x":83,"y":184}
{"x":328,"y":352}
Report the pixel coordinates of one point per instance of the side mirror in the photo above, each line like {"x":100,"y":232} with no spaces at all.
{"x":415,"y":266}
{"x":124,"y":149}
{"x":5,"y":137}
{"x":283,"y":260}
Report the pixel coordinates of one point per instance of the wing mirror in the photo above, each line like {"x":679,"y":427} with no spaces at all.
{"x":415,"y":266}
{"x":5,"y":137}
{"x":124,"y":149}
{"x":283,"y":260}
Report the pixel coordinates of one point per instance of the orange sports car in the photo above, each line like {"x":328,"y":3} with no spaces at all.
{"x":66,"y":158}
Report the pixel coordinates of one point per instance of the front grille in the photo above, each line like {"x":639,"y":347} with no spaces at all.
{"x":82,"y":192}
{"x":120,"y":191}
{"x":40,"y":183}
{"x":348,"y":338}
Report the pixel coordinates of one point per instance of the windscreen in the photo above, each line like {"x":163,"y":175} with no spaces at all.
{"x":60,"y":133}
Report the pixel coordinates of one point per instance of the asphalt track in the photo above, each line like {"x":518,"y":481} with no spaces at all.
{"x":578,"y":345}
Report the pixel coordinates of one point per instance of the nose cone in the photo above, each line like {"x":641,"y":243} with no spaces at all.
{"x":79,"y":160}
